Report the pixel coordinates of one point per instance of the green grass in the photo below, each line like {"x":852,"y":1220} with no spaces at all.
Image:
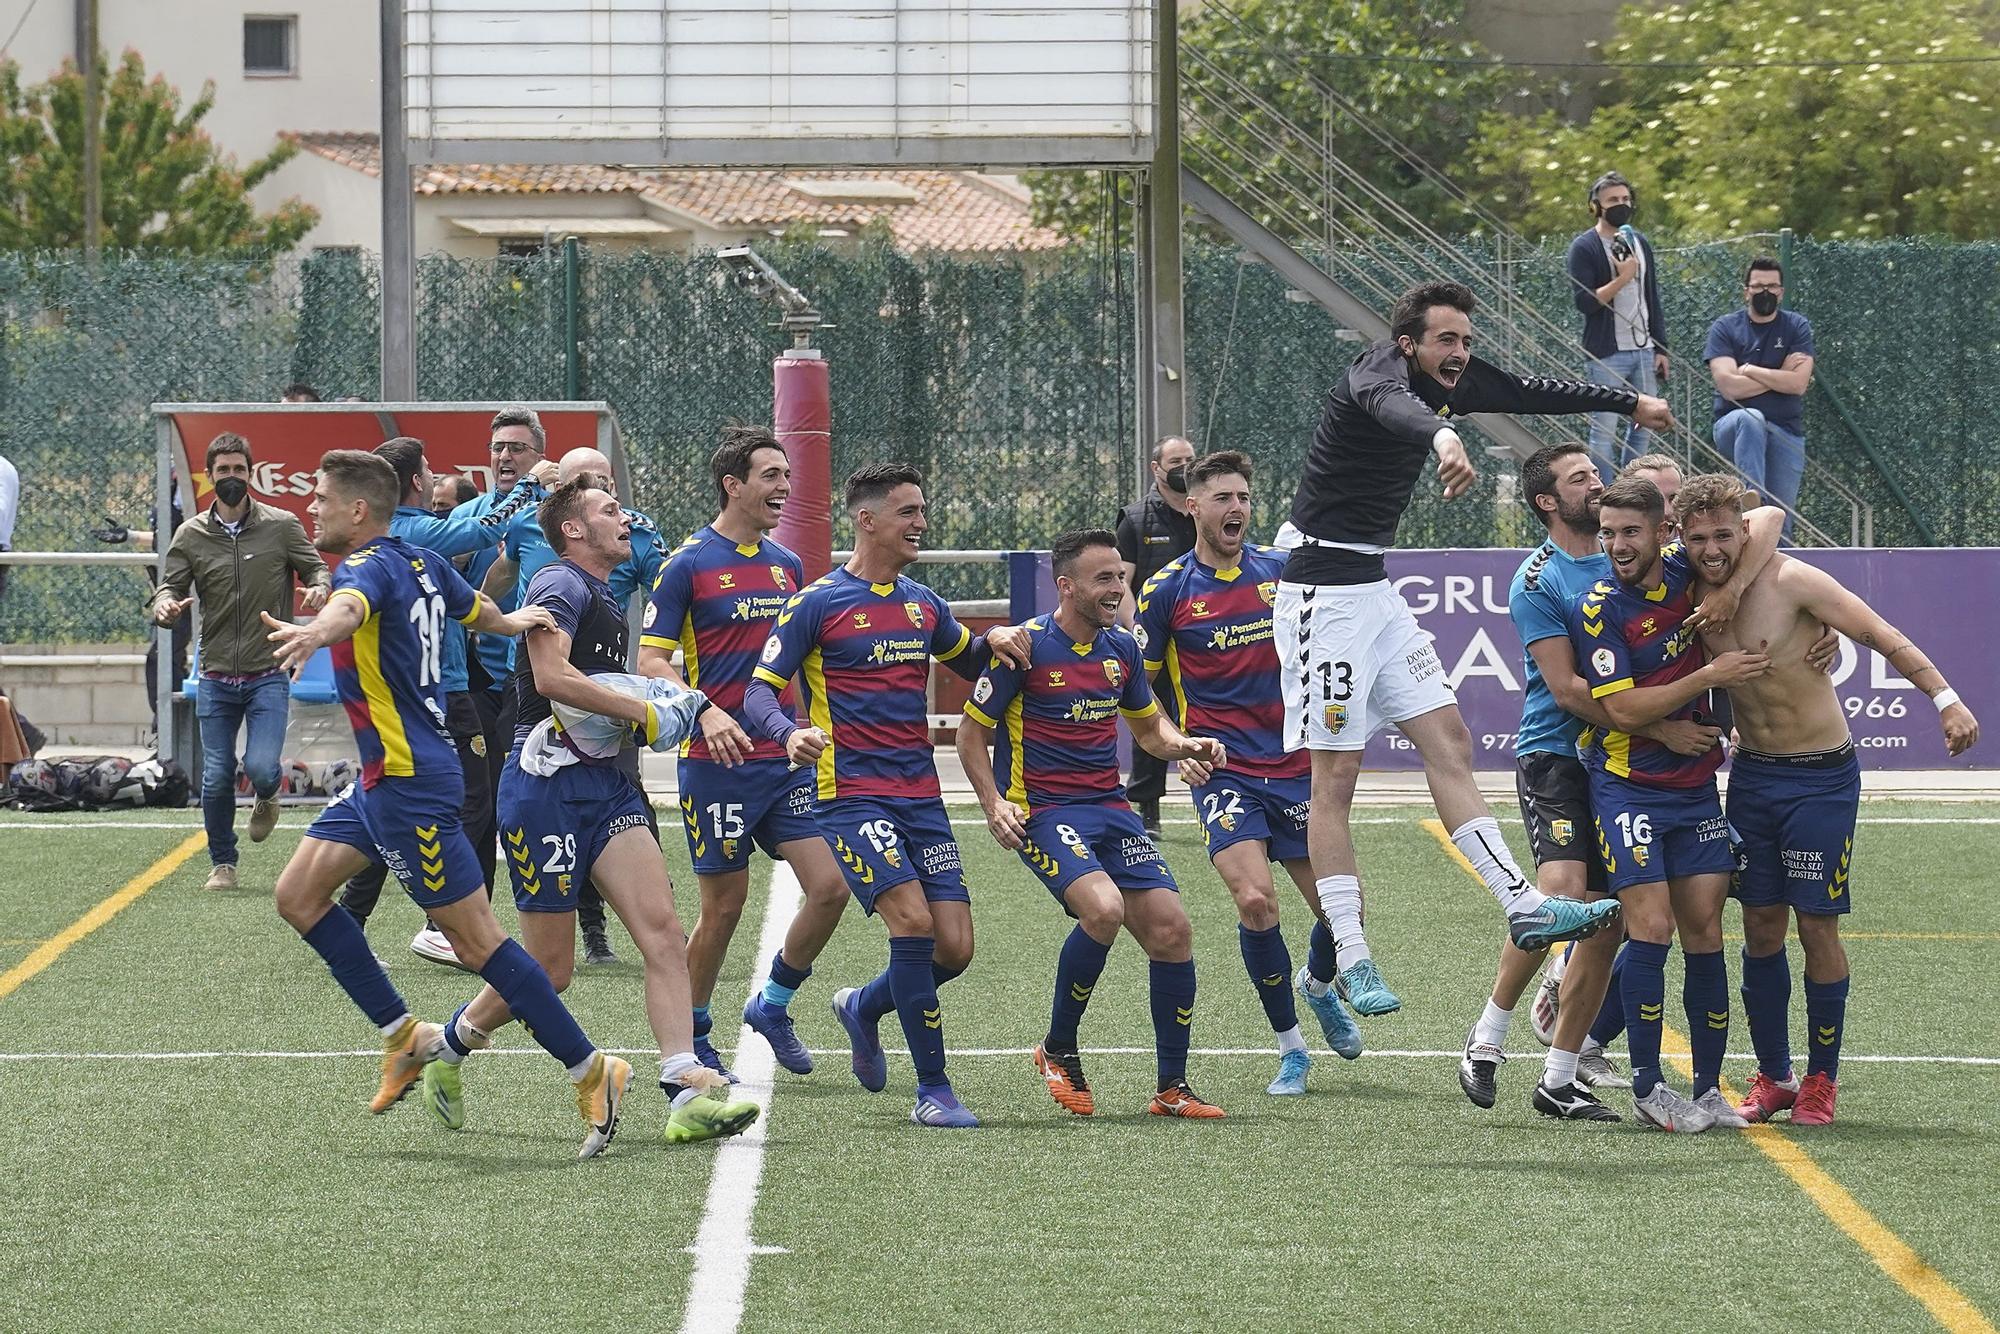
{"x":256,"y":1191}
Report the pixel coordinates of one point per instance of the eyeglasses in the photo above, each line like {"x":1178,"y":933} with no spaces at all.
{"x":513,"y":447}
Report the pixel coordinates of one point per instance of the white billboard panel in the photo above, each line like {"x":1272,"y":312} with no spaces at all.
{"x":744,"y":81}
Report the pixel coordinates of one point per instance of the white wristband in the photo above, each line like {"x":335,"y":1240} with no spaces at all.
{"x":1438,"y":438}
{"x":1945,"y":698}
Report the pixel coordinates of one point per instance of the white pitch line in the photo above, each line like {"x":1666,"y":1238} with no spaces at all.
{"x":723,"y":1246}
{"x":971,"y":1053}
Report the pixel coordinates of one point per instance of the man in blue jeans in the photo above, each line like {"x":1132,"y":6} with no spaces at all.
{"x":239,"y":557}
{"x":1761,"y":359}
{"x":1616,"y":287}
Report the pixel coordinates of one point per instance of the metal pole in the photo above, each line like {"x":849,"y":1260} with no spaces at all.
{"x":1165,"y":372}
{"x":572,"y":295}
{"x":93,"y":129}
{"x":399,"y":264}
{"x":1146,"y":414}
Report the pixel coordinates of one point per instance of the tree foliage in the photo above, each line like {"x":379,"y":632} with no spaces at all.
{"x":165,"y":187}
{"x":1278,"y":66}
{"x":1860,"y":148}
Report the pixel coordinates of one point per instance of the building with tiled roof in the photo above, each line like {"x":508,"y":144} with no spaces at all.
{"x":480,"y":211}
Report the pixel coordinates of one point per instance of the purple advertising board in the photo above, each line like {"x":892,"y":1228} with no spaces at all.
{"x":1947,"y":600}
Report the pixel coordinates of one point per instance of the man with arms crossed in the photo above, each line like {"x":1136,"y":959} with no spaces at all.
{"x":1354,"y":658}
{"x":715,"y":601}
{"x":384,"y":621}
{"x":1794,"y":792}
{"x":1064,"y":810}
{"x":1205,"y":625}
{"x":588,"y":821}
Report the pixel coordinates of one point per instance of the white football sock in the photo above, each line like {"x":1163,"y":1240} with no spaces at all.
{"x":1340,"y":897}
{"x":1291,"y":1040}
{"x":390,"y":1030}
{"x":1480,"y":842}
{"x":581,"y":1070}
{"x":1492,"y":1026}
{"x":1559,"y":1070}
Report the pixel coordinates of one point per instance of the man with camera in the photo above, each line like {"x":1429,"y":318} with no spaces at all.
{"x":1616,"y":287}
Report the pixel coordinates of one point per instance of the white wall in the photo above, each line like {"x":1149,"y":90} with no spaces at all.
{"x":190,"y":42}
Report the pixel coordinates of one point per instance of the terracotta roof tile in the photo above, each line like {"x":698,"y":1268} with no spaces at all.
{"x":958,"y":211}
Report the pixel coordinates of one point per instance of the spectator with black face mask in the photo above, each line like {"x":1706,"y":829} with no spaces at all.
{"x":1761,"y":359}
{"x":1616,"y":286}
{"x":239,"y":557}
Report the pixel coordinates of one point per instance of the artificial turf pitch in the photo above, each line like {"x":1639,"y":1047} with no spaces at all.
{"x":147,"y":1186}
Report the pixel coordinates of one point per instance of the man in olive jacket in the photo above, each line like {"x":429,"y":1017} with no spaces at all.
{"x":239,"y":558}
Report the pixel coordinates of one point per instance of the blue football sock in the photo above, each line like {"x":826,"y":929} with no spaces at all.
{"x":1270,"y":967}
{"x":1705,"y":996}
{"x":1767,"y":1004}
{"x":877,"y":998}
{"x":917,"y":1005}
{"x":339,"y":941}
{"x":1644,"y":991}
{"x":1321,"y":960}
{"x":1826,"y":1019}
{"x":704,"y":1024}
{"x":1173,"y":1017}
{"x":941,"y":974}
{"x":1610,"y":1021}
{"x":513,"y":972}
{"x":785,"y":982}
{"x":1077,"y":970}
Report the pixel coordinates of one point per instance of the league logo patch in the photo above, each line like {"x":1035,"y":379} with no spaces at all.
{"x":915,"y":612}
{"x":652,"y":614}
{"x":772,"y":648}
{"x":1562,"y":831}
{"x":983,"y":691}
{"x":1336,"y":718}
{"x":1114,"y":672}
{"x":1604,"y":662}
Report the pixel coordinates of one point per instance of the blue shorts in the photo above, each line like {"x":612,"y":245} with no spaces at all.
{"x":1649,"y":835}
{"x":407,"y":825}
{"x":1235,"y":808}
{"x":553,"y":828}
{"x":1794,"y":815}
{"x":883,"y":842}
{"x":1066,"y":843}
{"x":726,"y":809}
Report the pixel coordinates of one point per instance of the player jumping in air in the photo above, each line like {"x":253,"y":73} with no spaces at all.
{"x":1353,"y":657}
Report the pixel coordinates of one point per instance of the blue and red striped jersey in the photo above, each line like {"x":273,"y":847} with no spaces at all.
{"x":1630,"y":637}
{"x":1208,"y":632}
{"x":1056,"y":723}
{"x":390,"y":672}
{"x":862,"y":654}
{"x":715,"y":601}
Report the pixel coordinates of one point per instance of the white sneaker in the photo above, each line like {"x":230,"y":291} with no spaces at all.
{"x":430,"y":943}
{"x":1667,"y":1110}
{"x":1719,"y":1109}
{"x":1595,"y":1070}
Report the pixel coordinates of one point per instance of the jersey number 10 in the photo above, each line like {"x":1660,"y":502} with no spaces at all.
{"x":427,"y":615}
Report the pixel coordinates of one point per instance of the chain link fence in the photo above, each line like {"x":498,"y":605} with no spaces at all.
{"x":1009,"y":383}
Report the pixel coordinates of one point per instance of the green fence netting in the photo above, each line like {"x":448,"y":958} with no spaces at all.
{"x":1010,"y":382}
